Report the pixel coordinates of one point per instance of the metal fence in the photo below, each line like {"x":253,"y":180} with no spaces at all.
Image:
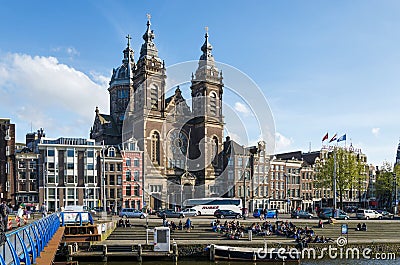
{"x":24,"y":244}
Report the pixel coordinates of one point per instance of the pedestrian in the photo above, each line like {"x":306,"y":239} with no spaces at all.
{"x":44,"y":209}
{"x":21,"y":211}
{"x":277,"y":212}
{"x":4,"y":212}
{"x":188,"y":224}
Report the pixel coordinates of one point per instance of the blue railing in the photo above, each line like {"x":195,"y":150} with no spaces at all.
{"x":25,"y":244}
{"x":76,"y":218}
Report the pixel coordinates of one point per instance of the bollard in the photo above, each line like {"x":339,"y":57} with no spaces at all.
{"x":175,"y":252}
{"x":250,"y":232}
{"x":70,"y":251}
{"x":140,"y":252}
{"x":17,"y":220}
{"x":104,"y":252}
{"x":25,"y":219}
{"x":212,"y":252}
{"x":254,"y":256}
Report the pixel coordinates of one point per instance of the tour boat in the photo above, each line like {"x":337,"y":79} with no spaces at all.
{"x":253,"y":254}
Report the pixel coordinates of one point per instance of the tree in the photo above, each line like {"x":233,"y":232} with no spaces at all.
{"x":385,"y":184}
{"x":349,"y":172}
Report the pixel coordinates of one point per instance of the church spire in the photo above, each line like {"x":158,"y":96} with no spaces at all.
{"x":207,"y":69}
{"x":128,"y":53}
{"x":148,"y":49}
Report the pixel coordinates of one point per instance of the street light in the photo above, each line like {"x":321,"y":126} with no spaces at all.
{"x":395,"y":193}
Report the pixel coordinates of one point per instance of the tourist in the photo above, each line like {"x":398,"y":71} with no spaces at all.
{"x":127,"y":223}
{"x":121,"y":223}
{"x":188,"y":224}
{"x":320,"y":224}
{"x":4,"y":212}
{"x":44,"y":209}
{"x":358,"y":227}
{"x":364,"y":227}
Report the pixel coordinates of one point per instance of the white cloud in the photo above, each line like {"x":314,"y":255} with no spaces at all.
{"x":71,"y":51}
{"x":240,"y":107}
{"x":375,"y":131}
{"x":282,"y":143}
{"x":50,"y":94}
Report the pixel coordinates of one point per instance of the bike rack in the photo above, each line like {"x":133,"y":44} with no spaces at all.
{"x":25,"y":244}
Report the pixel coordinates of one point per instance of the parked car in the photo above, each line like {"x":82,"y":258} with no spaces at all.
{"x":368,"y":214}
{"x":301,"y":214}
{"x":170,"y":214}
{"x":386,"y":214}
{"x":132,"y":213}
{"x":326,"y":213}
{"x":226,"y":214}
{"x":270,"y":213}
{"x":189,"y":212}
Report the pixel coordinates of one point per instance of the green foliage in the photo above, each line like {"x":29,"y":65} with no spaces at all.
{"x":385,"y":183}
{"x":350,"y":172}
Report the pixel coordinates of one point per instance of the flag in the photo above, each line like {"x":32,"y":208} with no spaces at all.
{"x":342,"y":138}
{"x":325,"y":137}
{"x":333,"y":138}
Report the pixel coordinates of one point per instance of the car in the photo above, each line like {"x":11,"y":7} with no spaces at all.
{"x":386,"y":214}
{"x":271,"y":213}
{"x":326,"y":213}
{"x":170,"y":214}
{"x":301,"y":214}
{"x":132,"y":213}
{"x":226,"y":214}
{"x":189,"y":212}
{"x":368,"y":214}
{"x":258,"y":212}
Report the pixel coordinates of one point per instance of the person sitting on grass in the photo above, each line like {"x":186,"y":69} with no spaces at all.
{"x":127,"y":223}
{"x":364,"y":227}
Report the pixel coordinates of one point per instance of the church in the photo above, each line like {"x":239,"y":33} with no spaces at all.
{"x":182,"y":144}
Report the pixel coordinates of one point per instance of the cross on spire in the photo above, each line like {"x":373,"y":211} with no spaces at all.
{"x":148,"y":16}
{"x":129,"y":38}
{"x":206,"y":28}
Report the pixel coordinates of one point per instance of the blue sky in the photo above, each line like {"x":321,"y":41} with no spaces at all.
{"x":324,"y":66}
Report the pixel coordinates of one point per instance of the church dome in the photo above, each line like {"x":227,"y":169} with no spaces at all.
{"x":123,"y":74}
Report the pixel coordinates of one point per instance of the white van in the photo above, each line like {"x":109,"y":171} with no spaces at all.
{"x":368,"y":214}
{"x":76,"y":208}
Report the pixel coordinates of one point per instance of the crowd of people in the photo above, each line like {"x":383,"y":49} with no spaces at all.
{"x":235,"y":230}
{"x":180,"y":226}
{"x":231,"y":230}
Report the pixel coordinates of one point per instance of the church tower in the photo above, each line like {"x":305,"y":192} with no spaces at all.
{"x":148,"y":115}
{"x":206,"y":92}
{"x":121,"y":86}
{"x":398,"y":155}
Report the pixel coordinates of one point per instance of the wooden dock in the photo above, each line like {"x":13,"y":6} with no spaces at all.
{"x":49,"y":252}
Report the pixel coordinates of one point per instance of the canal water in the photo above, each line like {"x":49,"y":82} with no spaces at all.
{"x":306,"y":262}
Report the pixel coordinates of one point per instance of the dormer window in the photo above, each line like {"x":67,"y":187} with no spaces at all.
{"x":111,"y":152}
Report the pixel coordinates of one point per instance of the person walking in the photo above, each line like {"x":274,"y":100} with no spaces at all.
{"x":44,"y":209}
{"x":4,"y":212}
{"x":188,"y":224}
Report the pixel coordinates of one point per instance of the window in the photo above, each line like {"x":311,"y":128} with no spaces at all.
{"x":128,"y":175}
{"x":128,"y":191}
{"x":112,"y":180}
{"x":112,"y":193}
{"x":90,"y":153}
{"x":213,"y":104}
{"x":136,"y":190}
{"x":154,"y":96}
{"x":136,"y":162}
{"x":70,"y":165}
{"x":22,"y":186}
{"x":128,"y":162}
{"x":111,"y":152}
{"x":155,"y":147}
{"x":32,"y":175}
{"x":32,"y":164}
{"x":112,"y":167}
{"x":50,"y":152}
{"x":70,"y":179}
{"x":123,"y":93}
{"x":119,"y":167}
{"x":70,"y":152}
{"x":240,"y":161}
{"x":22,"y":175}
{"x":90,"y":166}
{"x":71,"y":194}
{"x":136,"y":175}
{"x":21,"y":164}
{"x":119,"y":193}
{"x":119,"y":179}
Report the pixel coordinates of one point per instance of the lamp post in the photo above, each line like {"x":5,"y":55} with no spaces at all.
{"x":104,"y":178}
{"x":395,"y":193}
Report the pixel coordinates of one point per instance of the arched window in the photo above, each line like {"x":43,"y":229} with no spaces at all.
{"x":215,"y":150}
{"x":213,"y":104}
{"x":155,"y":147}
{"x":154,"y":96}
{"x":111,"y":152}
